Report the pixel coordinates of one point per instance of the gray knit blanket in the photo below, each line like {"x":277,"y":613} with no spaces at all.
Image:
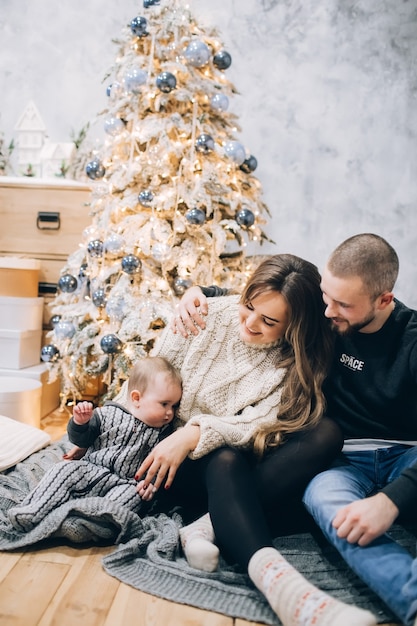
{"x":148,"y":556}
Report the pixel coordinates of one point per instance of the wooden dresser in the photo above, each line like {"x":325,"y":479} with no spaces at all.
{"x":43,"y":219}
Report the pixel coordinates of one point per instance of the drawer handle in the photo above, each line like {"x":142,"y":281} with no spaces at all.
{"x":45,"y":289}
{"x":48,"y":220}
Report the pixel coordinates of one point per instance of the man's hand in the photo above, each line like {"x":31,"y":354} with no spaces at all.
{"x":82,"y":412}
{"x":189,"y":313}
{"x":364,"y":520}
{"x":164,"y":460}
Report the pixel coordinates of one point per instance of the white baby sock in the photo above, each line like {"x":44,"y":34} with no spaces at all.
{"x":296,"y":601}
{"x":197,"y":540}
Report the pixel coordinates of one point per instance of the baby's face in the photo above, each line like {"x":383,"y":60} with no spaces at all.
{"x":156,"y":407}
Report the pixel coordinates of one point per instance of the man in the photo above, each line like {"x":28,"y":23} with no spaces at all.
{"x":371,"y":392}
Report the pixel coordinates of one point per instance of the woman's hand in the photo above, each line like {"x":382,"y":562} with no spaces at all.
{"x":189,"y":313}
{"x":164,"y":460}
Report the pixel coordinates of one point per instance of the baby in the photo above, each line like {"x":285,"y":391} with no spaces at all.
{"x":116,"y":438}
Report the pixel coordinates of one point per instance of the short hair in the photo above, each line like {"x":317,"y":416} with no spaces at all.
{"x":369,"y":257}
{"x":144,"y":371}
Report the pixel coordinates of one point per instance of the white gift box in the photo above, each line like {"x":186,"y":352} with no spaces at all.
{"x":20,"y":399}
{"x":21,"y":313}
{"x":19,"y":348}
{"x":50,"y":390}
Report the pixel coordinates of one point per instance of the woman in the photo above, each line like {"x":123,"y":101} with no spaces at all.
{"x":254,"y":435}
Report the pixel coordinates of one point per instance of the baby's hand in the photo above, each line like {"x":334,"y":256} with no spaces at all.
{"x":146,"y":493}
{"x":75,"y":454}
{"x":82,"y":412}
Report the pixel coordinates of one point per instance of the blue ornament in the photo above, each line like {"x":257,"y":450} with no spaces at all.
{"x":131,"y":264}
{"x":195,"y":216}
{"x":245,"y":218}
{"x":219,"y":102}
{"x":99,"y":298}
{"x":161,"y":252}
{"x":83,"y":273}
{"x":235,"y":151}
{"x":150,"y":3}
{"x":138,"y":26}
{"x":249,"y":165}
{"x":197,"y":53}
{"x":115,"y":308}
{"x":134,"y":79}
{"x":114,"y":89}
{"x":49,"y":353}
{"x":145,"y":197}
{"x":222,"y":60}
{"x":114,"y":244}
{"x":111,"y":344}
{"x":54,"y":320}
{"x":166,"y":82}
{"x":181,"y":285}
{"x":68,"y":283}
{"x":114,"y":126}
{"x":64,"y":330}
{"x":95,"y":248}
{"x":204,"y":143}
{"x":95,"y":169}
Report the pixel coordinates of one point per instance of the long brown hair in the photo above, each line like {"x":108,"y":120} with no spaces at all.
{"x":306,"y":349}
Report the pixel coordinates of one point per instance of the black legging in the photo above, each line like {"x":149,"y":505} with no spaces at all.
{"x":247,"y":498}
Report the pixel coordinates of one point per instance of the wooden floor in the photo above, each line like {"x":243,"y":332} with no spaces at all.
{"x":60,"y":585}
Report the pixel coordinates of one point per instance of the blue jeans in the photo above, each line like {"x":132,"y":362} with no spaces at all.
{"x":383,"y":565}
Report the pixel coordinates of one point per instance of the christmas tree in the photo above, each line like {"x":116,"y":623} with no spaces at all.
{"x":174,"y":200}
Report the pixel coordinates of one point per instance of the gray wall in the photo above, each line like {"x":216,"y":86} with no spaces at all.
{"x":327,"y":104}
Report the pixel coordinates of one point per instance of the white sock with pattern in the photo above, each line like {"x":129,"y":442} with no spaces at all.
{"x":197,"y":540}
{"x":296,"y":601}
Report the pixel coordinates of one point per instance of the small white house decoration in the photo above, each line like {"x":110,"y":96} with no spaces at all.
{"x":31,"y":136}
{"x":56,"y":158}
{"x":36,"y":155}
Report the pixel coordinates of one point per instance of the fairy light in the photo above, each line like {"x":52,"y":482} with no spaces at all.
{"x":129,"y":350}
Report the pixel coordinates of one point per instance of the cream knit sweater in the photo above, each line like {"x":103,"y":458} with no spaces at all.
{"x":229,"y":388}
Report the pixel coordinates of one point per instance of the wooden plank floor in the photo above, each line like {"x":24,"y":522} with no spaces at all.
{"x":60,"y":585}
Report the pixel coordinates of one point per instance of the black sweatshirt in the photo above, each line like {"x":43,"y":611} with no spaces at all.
{"x":371,"y":390}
